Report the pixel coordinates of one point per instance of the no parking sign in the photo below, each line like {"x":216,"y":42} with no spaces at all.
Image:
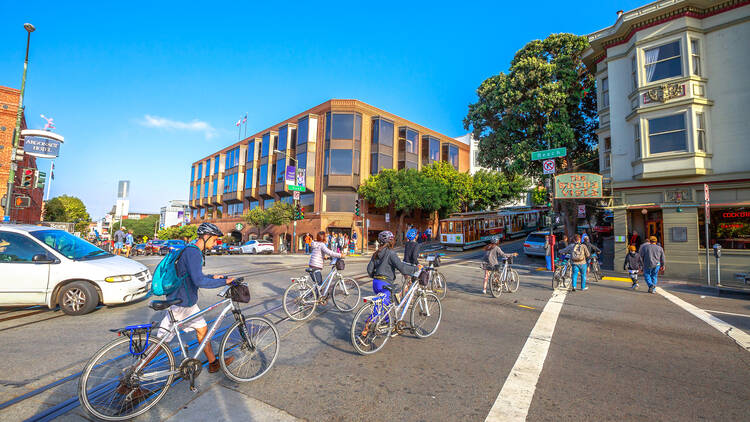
{"x":548,"y":166}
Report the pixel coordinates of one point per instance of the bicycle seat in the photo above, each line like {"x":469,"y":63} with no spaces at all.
{"x":311,"y":270}
{"x":160,"y":305}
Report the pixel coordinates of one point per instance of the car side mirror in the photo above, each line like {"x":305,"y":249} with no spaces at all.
{"x":42,"y":259}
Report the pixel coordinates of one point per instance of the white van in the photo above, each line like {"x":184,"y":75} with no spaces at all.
{"x":45,"y":266}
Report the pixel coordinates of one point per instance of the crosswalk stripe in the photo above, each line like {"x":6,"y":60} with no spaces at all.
{"x":512,"y":404}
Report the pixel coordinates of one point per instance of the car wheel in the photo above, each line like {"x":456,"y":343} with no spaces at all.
{"x":78,"y":298}
{"x":253,"y":251}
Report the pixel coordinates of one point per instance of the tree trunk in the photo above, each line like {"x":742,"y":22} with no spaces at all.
{"x":399,"y":237}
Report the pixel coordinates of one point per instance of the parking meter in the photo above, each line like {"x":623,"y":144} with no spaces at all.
{"x":717,"y":254}
{"x":717,"y":250}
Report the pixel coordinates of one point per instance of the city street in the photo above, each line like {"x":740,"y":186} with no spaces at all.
{"x":608,"y":353}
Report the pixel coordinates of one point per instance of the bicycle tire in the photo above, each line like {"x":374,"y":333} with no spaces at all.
{"x":596,"y":271}
{"x":258,"y":329}
{"x":438,"y":285}
{"x":496,"y":285}
{"x":382,"y":330}
{"x":346,"y":300}
{"x":556,"y":278}
{"x":567,"y":277}
{"x":297,"y":292}
{"x":513,"y":282}
{"x":433,"y":306}
{"x":91,"y":396}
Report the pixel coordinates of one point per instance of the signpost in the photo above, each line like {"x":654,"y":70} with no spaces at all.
{"x":549,"y":153}
{"x":295,"y":196}
{"x":706,"y":222}
{"x":549,"y":166}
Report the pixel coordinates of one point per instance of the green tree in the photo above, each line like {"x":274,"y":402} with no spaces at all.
{"x":546,"y":100}
{"x":491,"y":189}
{"x":140,"y":228}
{"x":458,"y":186}
{"x":187,"y":232}
{"x":280,"y":213}
{"x":539,"y":196}
{"x":68,"y":209}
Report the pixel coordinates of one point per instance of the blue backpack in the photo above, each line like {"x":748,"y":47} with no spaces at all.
{"x":166,"y":280}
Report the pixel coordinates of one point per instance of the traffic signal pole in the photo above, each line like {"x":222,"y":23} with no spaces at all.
{"x":17,"y":131}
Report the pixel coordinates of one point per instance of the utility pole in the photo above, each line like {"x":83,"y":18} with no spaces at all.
{"x":17,"y":132}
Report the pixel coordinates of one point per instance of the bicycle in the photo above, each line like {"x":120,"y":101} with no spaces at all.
{"x":563,"y":275}
{"x":504,"y":278}
{"x":595,"y":268}
{"x":377,"y":321}
{"x":131,"y":374}
{"x":304,"y":294}
{"x":436,"y":281}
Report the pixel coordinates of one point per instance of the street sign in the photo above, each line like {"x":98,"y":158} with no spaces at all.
{"x":296,"y":195}
{"x":41,"y":143}
{"x":290,"y":175}
{"x":706,"y":203}
{"x":549,"y":166}
{"x":578,"y":185}
{"x":550,"y":153}
{"x":387,"y":217}
{"x":22,"y":201}
{"x":581,"y":211}
{"x":296,"y":188}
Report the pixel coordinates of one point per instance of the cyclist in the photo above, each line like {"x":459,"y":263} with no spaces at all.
{"x":411,"y":253}
{"x":383,"y":265}
{"x":190,"y":263}
{"x":318,"y":249}
{"x":491,"y":252}
{"x":594,"y":251}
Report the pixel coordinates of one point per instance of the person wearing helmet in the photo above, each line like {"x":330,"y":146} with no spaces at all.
{"x":491,"y":263}
{"x":383,"y":265}
{"x":411,"y":247}
{"x":190,"y":262}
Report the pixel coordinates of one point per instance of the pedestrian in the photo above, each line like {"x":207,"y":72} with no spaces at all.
{"x":635,"y":239}
{"x":128,"y":243}
{"x":562,"y":245}
{"x":329,"y":238}
{"x":548,"y":252}
{"x":579,"y":256}
{"x":428,"y":232}
{"x":653,"y":260}
{"x":633,"y":264}
{"x":119,"y":240}
{"x":308,"y":243}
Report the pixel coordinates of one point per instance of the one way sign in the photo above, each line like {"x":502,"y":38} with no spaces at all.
{"x":548,"y":166}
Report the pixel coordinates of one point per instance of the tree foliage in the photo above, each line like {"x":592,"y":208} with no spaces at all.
{"x":547,"y":96}
{"x":177,"y":232}
{"x":140,"y":228}
{"x":279,"y":214}
{"x":68,"y":209}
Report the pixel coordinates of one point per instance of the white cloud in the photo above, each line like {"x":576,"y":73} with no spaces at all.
{"x":193,"y":126}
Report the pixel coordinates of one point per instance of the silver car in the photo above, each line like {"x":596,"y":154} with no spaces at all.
{"x":534,"y":244}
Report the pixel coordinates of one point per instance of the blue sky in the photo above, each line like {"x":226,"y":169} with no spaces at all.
{"x":141,"y":90}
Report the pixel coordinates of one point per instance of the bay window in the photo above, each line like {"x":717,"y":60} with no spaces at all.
{"x":695,"y":56}
{"x":663,"y":62}
{"x":450,"y":154}
{"x":605,"y":93}
{"x":667,"y":134}
{"x":637,"y":139}
{"x":263,"y":175}
{"x":430,"y":149}
{"x":700,"y":128}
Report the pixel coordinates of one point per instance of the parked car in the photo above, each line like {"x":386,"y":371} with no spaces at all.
{"x":153,"y":246}
{"x":534,"y":243}
{"x":171,"y":246}
{"x":222,"y":249}
{"x":234,"y":250}
{"x":255,"y":247}
{"x":139,"y":249}
{"x":51,"y":267}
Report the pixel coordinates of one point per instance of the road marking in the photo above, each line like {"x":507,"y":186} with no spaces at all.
{"x":627,"y":280}
{"x":739,"y":336}
{"x":527,"y":307}
{"x":512,"y":404}
{"x":727,"y":313}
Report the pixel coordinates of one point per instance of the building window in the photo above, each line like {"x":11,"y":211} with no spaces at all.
{"x":340,"y":161}
{"x":634,"y":72}
{"x":192,"y":173}
{"x":430,"y":149}
{"x":253,"y":204}
{"x":195,"y":213}
{"x":407,"y":144}
{"x":280,"y":170}
{"x":637,"y":139}
{"x":663,"y":62}
{"x":729,"y":227}
{"x":476,"y":158}
{"x":343,"y":126}
{"x":302,"y":161}
{"x":607,"y":155}
{"x":216,"y":164}
{"x":605,"y":93}
{"x":263,"y":175}
{"x":325,"y":162}
{"x":230,"y":183}
{"x":234,"y":209}
{"x":205,"y":189}
{"x":264,"y":145}
{"x":340,"y":201}
{"x":219,"y":211}
{"x":215,"y":188}
{"x":208,"y":167}
{"x":203,"y":212}
{"x":450,"y":154}
{"x":268,"y":203}
{"x":200,"y":170}
{"x":667,"y":134}
{"x":283,"y":135}
{"x":250,"y":156}
{"x":695,"y":56}
{"x":249,"y":178}
{"x":197,"y":191}
{"x":307,"y":202}
{"x":232,"y":159}
{"x":287,"y":199}
{"x":191,"y":192}
{"x":382,"y":132}
{"x":700,"y":126}
{"x":303,"y":129}
{"x":379,"y":162}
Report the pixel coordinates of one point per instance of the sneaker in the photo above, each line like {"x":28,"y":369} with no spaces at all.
{"x":585,"y":288}
{"x":215,"y":365}
{"x":573,"y":289}
{"x":484,"y":291}
{"x":650,"y":289}
{"x":634,"y":286}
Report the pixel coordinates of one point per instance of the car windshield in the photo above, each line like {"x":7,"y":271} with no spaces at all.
{"x":175,"y":242}
{"x":72,"y":247}
{"x":535,"y":238}
{"x":157,"y":242}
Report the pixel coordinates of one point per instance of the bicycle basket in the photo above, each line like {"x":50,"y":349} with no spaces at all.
{"x":424,"y":278}
{"x":240,"y":293}
{"x":340,"y":264}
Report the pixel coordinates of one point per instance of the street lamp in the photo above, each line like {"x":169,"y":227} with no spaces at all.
{"x":17,"y":132}
{"x":287,"y":155}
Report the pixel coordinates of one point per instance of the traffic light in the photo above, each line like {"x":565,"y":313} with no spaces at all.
{"x":27,"y":177}
{"x":301,"y":213}
{"x":41,"y":178}
{"x":356,"y":207}
{"x":22,"y":201}
{"x":549,"y":199}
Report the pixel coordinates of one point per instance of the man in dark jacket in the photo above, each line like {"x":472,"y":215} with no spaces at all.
{"x":411,"y":248}
{"x":653,"y":260}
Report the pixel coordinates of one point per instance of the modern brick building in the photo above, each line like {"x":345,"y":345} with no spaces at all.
{"x":8,"y":111}
{"x":340,"y":143}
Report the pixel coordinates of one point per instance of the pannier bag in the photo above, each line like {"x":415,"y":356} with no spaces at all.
{"x":240,"y":293}
{"x":340,"y":265}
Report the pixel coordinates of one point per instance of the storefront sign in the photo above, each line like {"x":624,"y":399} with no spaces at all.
{"x":41,"y":143}
{"x":290,"y":175}
{"x":578,"y":185}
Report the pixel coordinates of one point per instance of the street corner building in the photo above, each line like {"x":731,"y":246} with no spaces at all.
{"x":8,"y":112}
{"x":674,"y":94}
{"x":338,"y":144}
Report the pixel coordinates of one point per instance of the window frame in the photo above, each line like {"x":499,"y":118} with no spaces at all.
{"x":695,"y":56}
{"x":605,"y":92}
{"x":637,"y":139}
{"x":684,"y":130}
{"x":700,"y":131}
{"x":654,"y":63}
{"x":607,"y":153}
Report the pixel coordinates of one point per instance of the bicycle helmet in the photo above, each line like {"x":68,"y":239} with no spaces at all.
{"x":209,"y":229}
{"x":385,"y":237}
{"x":411,"y":234}
{"x":494,"y":240}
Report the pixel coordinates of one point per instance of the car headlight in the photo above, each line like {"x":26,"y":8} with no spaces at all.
{"x":118,"y":278}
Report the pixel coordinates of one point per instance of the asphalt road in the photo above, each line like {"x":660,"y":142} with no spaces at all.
{"x":614,"y":354}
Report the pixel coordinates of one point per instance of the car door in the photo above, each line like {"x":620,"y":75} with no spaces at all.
{"x":23,"y":281}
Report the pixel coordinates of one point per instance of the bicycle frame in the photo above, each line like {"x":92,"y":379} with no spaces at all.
{"x":399,"y":309}
{"x":328,"y":282}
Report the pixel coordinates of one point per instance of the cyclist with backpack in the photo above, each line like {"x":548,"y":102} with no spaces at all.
{"x":579,"y":255}
{"x":383,"y":265}
{"x":187,"y":266}
{"x":491,"y":263}
{"x":318,"y":251}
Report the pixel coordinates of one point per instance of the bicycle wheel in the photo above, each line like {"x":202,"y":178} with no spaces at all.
{"x":300,"y":300}
{"x":346,"y":294}
{"x":370,"y":332}
{"x":426,"y":315}
{"x":254,"y":348}
{"x":513,"y":281}
{"x":566,"y":277}
{"x":438,"y":285}
{"x":110,"y":389}
{"x":596,"y":271}
{"x":556,"y":277}
{"x":496,"y":285}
